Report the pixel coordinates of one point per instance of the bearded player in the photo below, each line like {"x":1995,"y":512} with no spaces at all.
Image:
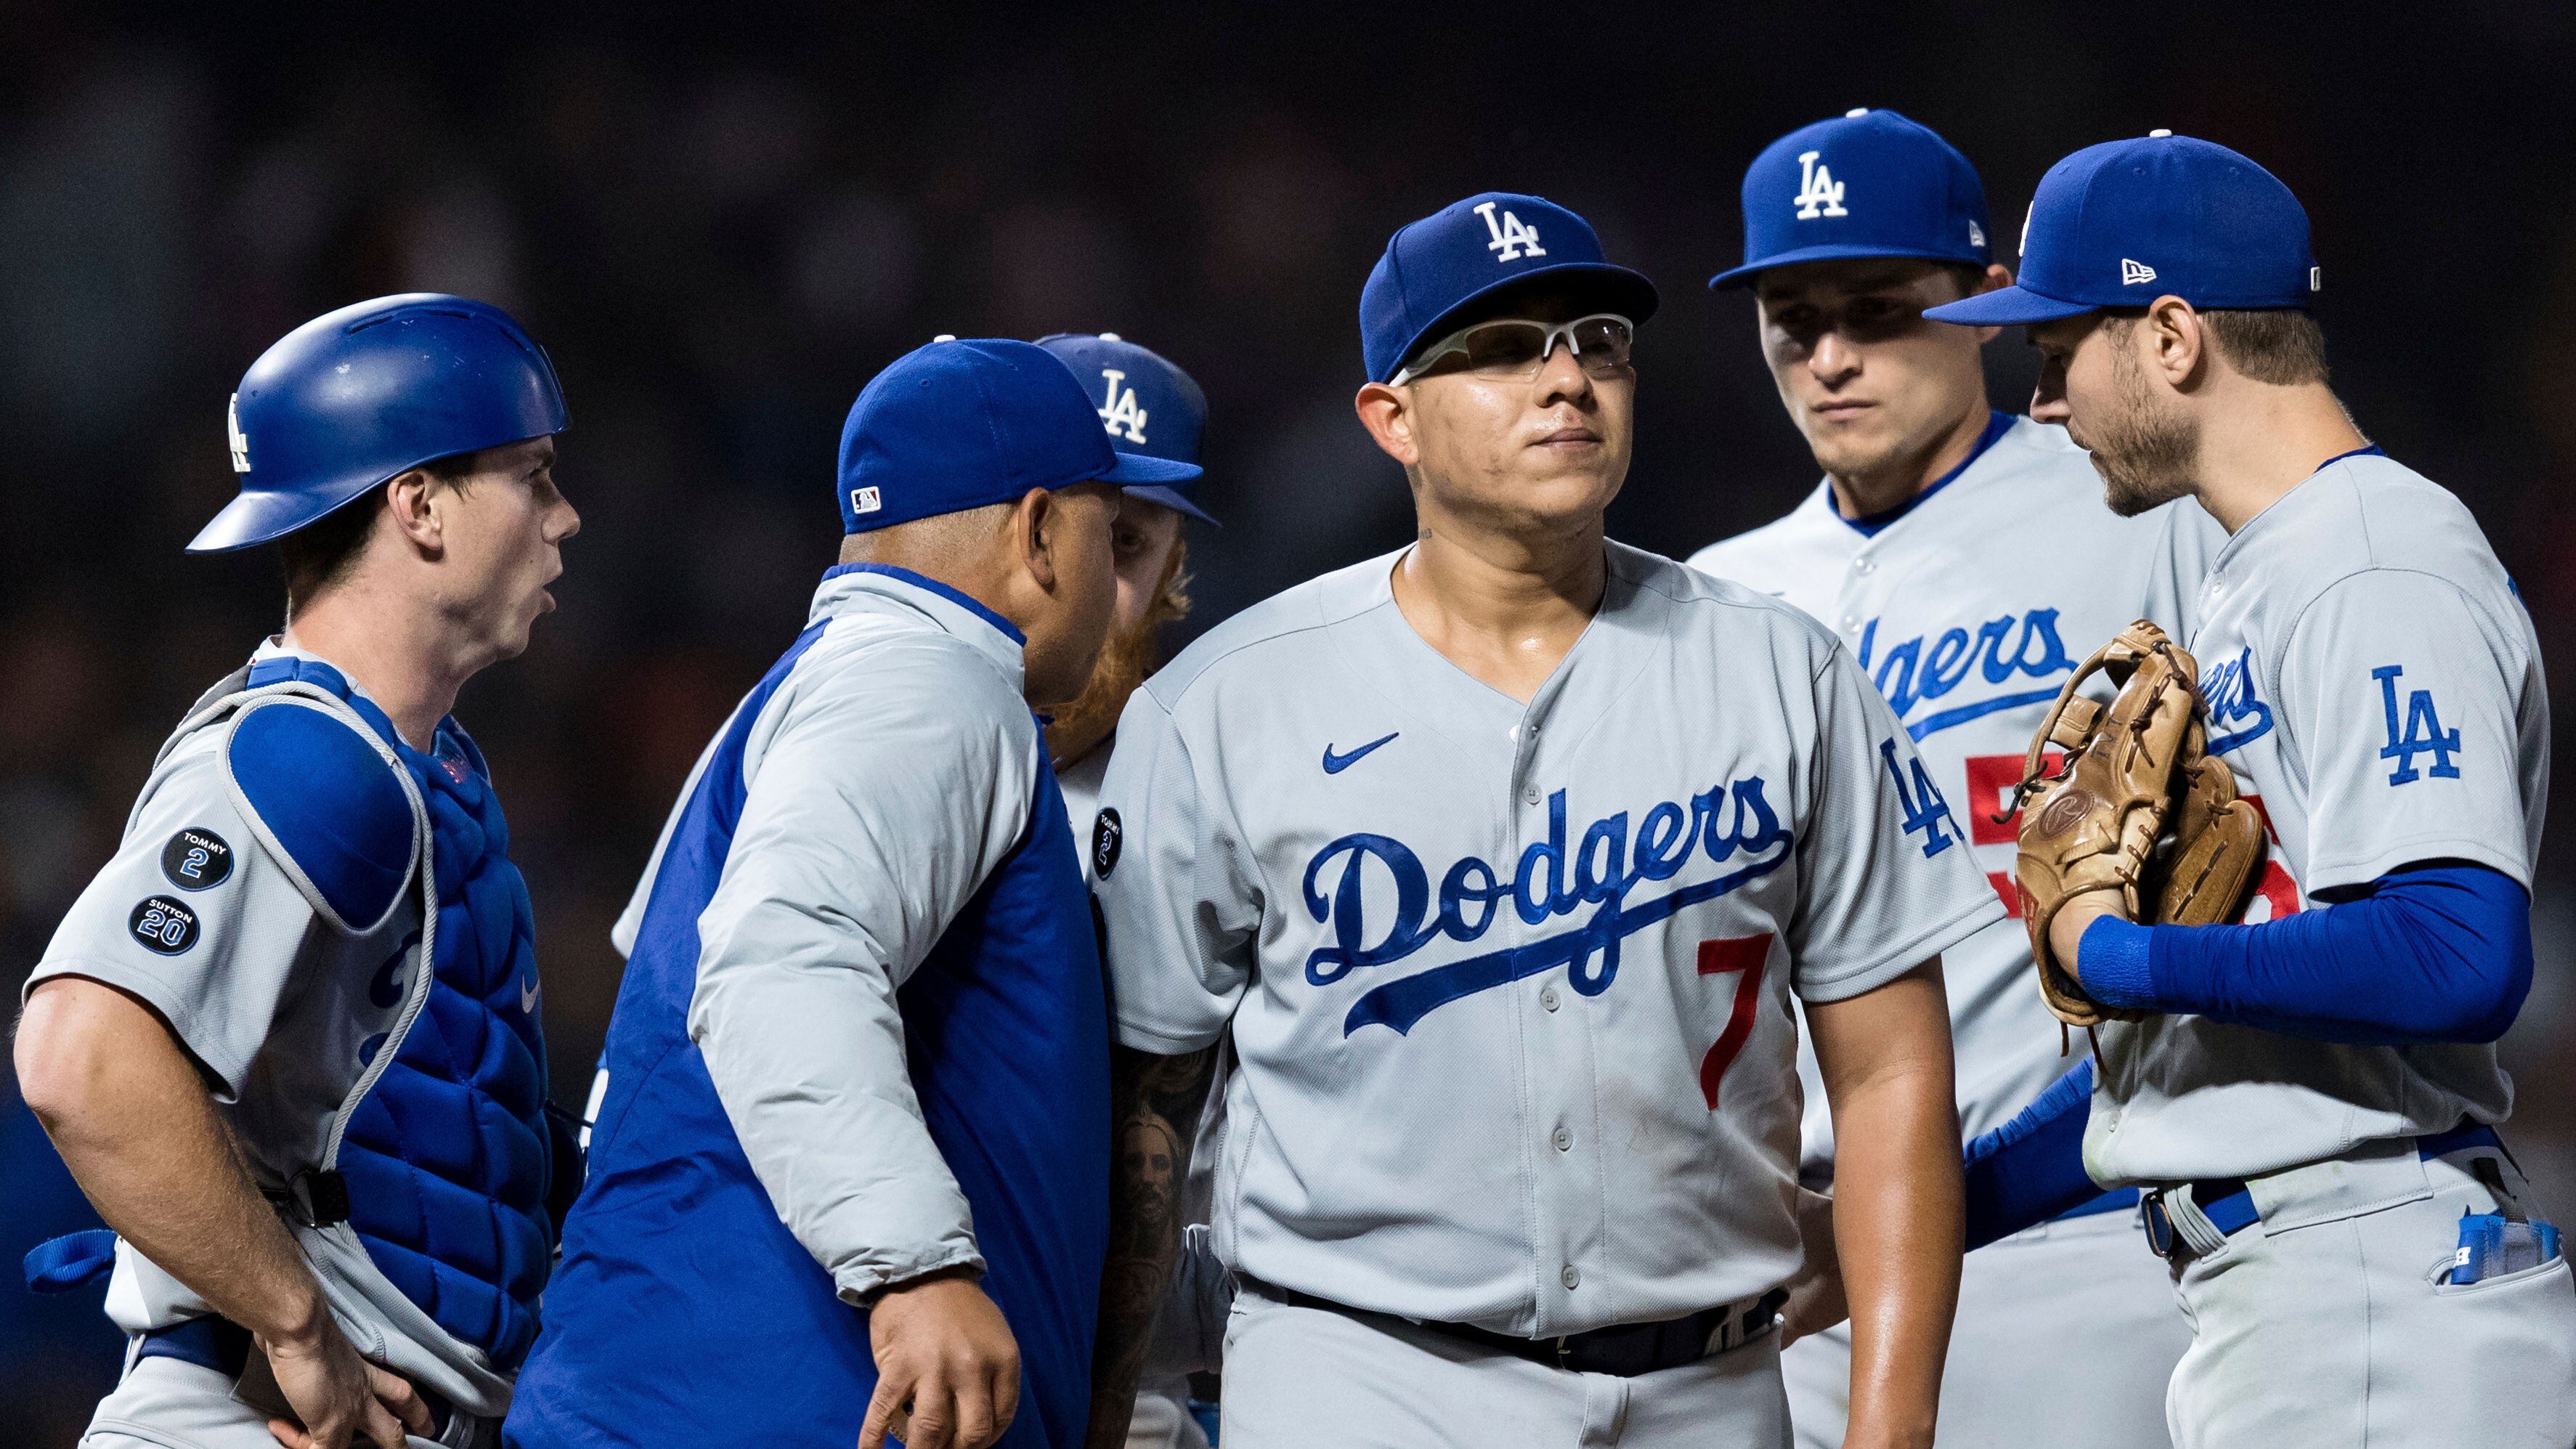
{"x":2311,"y":1101}
{"x":1964,"y":557}
{"x":1149,"y":406}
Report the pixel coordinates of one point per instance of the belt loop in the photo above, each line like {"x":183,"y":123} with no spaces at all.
{"x":2158,"y":1223}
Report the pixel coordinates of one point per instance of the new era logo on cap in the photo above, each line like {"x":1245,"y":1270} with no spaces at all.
{"x":2132,"y":273}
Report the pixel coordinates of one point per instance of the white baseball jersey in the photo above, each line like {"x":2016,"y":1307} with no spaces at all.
{"x":1509,"y":984}
{"x":2376,"y":684}
{"x":1969,"y":610}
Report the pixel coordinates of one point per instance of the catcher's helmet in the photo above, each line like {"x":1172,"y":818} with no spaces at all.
{"x":353,"y":397}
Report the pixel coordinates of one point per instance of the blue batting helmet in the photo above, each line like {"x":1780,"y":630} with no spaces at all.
{"x":352,"y":398}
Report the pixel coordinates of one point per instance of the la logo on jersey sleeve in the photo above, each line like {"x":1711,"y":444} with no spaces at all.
{"x":2424,"y":733}
{"x":1926,"y":813}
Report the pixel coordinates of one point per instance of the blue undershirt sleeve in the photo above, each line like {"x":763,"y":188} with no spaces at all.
{"x":2032,"y":1168}
{"x":2425,"y":953}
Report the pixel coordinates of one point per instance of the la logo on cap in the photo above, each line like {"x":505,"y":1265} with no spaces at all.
{"x":1122,"y":410}
{"x":1817,"y":188}
{"x":1511,"y":239}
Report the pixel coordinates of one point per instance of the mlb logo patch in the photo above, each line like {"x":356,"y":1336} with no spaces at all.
{"x":866,"y":500}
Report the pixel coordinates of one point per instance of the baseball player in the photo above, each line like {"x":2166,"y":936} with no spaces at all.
{"x":1149,"y":407}
{"x":2311,"y":1101}
{"x":287,"y":1039}
{"x":848,"y":1140}
{"x":1965,"y":559}
{"x":1499,"y":860}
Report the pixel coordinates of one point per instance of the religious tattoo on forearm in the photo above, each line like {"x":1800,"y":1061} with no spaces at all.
{"x":1154,"y":1108}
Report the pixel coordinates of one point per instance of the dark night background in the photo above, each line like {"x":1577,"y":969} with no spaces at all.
{"x":722,"y":224}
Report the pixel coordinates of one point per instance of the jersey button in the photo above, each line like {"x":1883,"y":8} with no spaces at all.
{"x":1864,"y":566}
{"x":1571,"y":1277}
{"x":1547,"y":997}
{"x":1530,"y":795}
{"x":1564,"y":1140}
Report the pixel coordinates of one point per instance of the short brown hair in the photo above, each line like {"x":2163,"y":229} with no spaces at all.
{"x":2281,"y":346}
{"x":322,"y":552}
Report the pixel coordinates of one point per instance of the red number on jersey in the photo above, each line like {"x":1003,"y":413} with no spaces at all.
{"x":1744,"y":956}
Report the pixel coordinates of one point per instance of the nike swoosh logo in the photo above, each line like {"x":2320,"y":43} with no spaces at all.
{"x":528,"y":991}
{"x":1335,"y":764}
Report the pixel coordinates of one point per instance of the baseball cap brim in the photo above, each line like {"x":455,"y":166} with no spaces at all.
{"x":1174,"y":499}
{"x":1134,"y":468}
{"x":2006,"y":306}
{"x":1835,"y":252}
{"x":1623,"y":291}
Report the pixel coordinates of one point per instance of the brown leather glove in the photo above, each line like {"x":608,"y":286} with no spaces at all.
{"x":2138,"y":808}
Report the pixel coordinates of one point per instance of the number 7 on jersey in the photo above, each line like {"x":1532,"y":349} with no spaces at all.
{"x":1743,"y":956}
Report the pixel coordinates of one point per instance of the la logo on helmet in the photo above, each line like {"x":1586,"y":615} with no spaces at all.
{"x":1511,"y":239}
{"x":232,"y":431}
{"x":1122,"y":410}
{"x":1819,"y":194}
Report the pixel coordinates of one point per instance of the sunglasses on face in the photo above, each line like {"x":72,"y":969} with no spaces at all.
{"x":1513,"y":349}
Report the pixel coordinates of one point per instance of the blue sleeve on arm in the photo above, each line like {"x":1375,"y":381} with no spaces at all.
{"x":2424,"y":954}
{"x":2032,"y":1168}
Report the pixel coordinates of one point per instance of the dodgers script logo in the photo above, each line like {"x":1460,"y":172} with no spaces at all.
{"x":1907,"y":675}
{"x":2227,"y":690}
{"x":1549,"y":881}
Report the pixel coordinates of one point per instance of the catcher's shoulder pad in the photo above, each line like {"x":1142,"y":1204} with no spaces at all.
{"x":326,"y":805}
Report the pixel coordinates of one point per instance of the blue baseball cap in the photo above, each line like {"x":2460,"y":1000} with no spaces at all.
{"x":961,"y":424}
{"x":1434,"y":268}
{"x":1864,"y":184}
{"x":2125,"y":222}
{"x":1147,"y":405}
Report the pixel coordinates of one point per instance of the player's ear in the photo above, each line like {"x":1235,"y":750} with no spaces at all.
{"x":2175,"y":342}
{"x":1033,"y":525}
{"x":410,"y":498}
{"x":1387,"y":412}
{"x":1997,"y":277}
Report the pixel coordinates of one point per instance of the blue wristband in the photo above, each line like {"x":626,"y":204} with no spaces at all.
{"x":2111,"y":961}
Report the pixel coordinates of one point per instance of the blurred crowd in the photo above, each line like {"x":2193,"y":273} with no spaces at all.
{"x":719,"y":237}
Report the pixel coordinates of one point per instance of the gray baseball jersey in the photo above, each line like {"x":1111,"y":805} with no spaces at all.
{"x":2376,"y":684}
{"x":1969,"y":611}
{"x":1509,"y":984}
{"x":202,"y":917}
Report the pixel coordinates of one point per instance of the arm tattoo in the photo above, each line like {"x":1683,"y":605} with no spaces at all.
{"x":1154,"y":1113}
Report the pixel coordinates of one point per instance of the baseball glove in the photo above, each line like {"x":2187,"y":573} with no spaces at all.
{"x":2137,"y":807}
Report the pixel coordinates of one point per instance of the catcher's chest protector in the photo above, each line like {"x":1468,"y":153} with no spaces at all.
{"x":444,"y":1154}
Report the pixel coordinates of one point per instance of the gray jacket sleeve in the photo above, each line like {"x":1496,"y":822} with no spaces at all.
{"x":885,"y":782}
